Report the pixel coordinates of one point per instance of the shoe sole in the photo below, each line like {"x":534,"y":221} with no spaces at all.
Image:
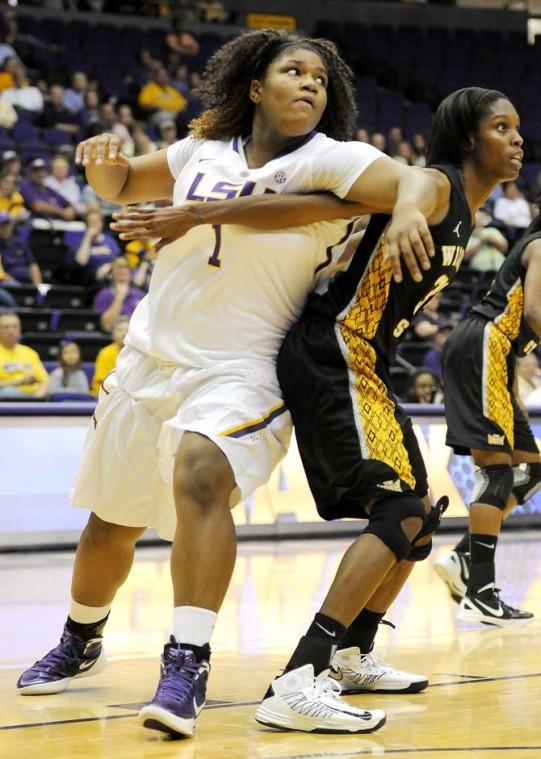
{"x":411,"y":688}
{"x":281,"y":722}
{"x":466,"y":615}
{"x":457,"y":592}
{"x":156,"y":718}
{"x":58,"y":686}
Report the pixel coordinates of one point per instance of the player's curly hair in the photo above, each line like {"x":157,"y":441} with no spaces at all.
{"x":225,"y":89}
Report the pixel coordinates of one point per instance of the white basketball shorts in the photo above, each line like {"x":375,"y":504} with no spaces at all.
{"x":126,"y":472}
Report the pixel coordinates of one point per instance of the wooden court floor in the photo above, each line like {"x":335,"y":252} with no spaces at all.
{"x":484,"y":699}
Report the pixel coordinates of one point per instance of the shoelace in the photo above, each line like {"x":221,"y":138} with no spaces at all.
{"x":67,"y":651}
{"x":325,"y":687}
{"x":374,"y":660}
{"x":177,"y":678}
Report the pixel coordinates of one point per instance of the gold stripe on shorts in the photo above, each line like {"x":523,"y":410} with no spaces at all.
{"x":255,"y":424}
{"x":382,"y":435}
{"x":497,"y":404}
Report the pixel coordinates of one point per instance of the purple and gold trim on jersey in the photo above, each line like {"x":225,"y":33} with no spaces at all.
{"x":497,"y":402}
{"x":246,"y":428}
{"x":380,"y":433}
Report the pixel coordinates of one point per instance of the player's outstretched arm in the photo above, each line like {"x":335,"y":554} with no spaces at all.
{"x":256,"y":211}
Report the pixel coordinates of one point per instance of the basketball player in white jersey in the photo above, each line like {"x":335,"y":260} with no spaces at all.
{"x":192,"y":419}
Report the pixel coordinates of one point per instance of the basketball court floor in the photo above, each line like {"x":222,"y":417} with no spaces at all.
{"x":484,"y":698}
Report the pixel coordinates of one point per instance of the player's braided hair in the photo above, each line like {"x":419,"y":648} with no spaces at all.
{"x":225,"y":89}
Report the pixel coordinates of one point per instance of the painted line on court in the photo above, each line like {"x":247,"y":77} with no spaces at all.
{"x":228,"y":704}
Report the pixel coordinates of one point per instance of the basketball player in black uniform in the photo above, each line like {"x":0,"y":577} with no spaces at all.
{"x":357,"y":445}
{"x":484,"y":419}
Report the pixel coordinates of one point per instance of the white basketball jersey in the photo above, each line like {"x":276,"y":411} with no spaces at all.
{"x":230,"y":293}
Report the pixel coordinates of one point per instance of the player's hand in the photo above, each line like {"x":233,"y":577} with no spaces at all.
{"x":162,"y":224}
{"x":104,"y":150}
{"x":408,"y":238}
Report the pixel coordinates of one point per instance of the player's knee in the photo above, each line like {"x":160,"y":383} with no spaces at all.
{"x":526,"y":481}
{"x":493,"y":485}
{"x":422,"y":545}
{"x":202,"y":474}
{"x":396,"y":521}
{"x":99,"y":531}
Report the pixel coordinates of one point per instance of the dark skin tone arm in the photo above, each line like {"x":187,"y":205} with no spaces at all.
{"x":531,"y":259}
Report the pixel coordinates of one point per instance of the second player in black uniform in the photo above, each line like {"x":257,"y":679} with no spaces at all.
{"x":485,"y":419}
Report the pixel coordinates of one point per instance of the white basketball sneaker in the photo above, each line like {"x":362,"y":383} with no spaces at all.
{"x":454,"y":570}
{"x":360,"y":673}
{"x":297,"y":700}
{"x":486,"y":606}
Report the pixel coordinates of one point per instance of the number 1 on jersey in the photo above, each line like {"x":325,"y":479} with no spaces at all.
{"x":214,"y":260}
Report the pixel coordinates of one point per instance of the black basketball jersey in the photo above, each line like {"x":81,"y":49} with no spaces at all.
{"x":365,"y":300}
{"x":504,"y":302}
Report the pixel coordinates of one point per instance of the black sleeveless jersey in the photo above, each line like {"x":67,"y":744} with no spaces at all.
{"x":504,"y":302}
{"x":367,"y":303}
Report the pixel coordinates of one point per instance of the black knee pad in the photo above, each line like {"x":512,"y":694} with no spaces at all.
{"x":526,"y":481}
{"x":493,"y":485}
{"x":386,"y":519}
{"x":431,"y":524}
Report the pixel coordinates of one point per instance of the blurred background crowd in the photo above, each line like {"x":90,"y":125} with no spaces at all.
{"x":68,"y":285}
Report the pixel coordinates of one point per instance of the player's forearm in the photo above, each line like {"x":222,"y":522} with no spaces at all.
{"x":277,"y":211}
{"x":419,"y":189}
{"x":106,"y":180}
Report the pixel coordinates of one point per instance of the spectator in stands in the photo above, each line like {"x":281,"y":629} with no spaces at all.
{"x":106,"y":358}
{"x":424,"y":388}
{"x":487,"y":246}
{"x":419,"y":149}
{"x":22,"y":375}
{"x":394,"y":138}
{"x":11,"y":163}
{"x":11,"y":201}
{"x":142,"y":142}
{"x":7,"y":301}
{"x":74,"y":96}
{"x":69,"y":377}
{"x":65,"y":184}
{"x":513,"y":210}
{"x":23,"y":94}
{"x":6,"y":73}
{"x":180,"y":41}
{"x":89,"y":116}
{"x":180,"y":79}
{"x":404,"y":153}
{"x":119,"y":298}
{"x":16,"y":258}
{"x":361,"y":135}
{"x":528,"y":376}
{"x":432,"y":358}
{"x":160,"y":99}
{"x":147,"y":259}
{"x":7,"y":51}
{"x":42,"y":200}
{"x":124,"y":128}
{"x":55,"y":114}
{"x":427,"y":322}
{"x":212,"y":12}
{"x":168,"y":133}
{"x":378,"y":141}
{"x":91,"y":253}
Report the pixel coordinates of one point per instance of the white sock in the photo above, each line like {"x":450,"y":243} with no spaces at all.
{"x":193,"y":625}
{"x":86,"y":615}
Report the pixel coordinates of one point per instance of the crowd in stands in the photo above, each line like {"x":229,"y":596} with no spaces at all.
{"x":71,"y":281}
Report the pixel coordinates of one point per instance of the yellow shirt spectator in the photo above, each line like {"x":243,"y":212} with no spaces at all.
{"x":13,"y":204}
{"x":159,"y":95}
{"x":18,"y":363}
{"x":105,"y":363}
